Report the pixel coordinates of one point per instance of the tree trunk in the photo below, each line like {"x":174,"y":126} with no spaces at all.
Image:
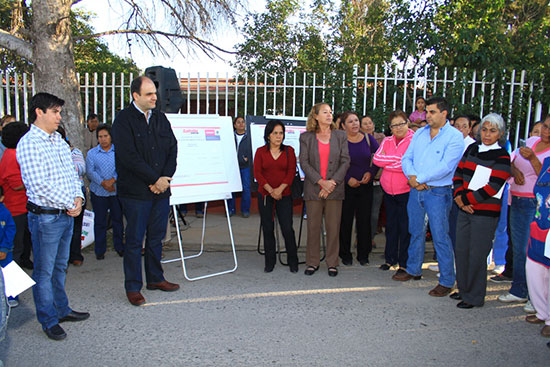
{"x":53,"y":61}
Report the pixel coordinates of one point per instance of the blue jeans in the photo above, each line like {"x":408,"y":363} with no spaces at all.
{"x":500,"y":244}
{"x":436,"y":202}
{"x":101,"y":204}
{"x":245,"y":198}
{"x":522,"y":213}
{"x":51,"y":240}
{"x":144,"y":217}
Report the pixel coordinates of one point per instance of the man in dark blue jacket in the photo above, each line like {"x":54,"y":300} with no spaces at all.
{"x":145,"y":157}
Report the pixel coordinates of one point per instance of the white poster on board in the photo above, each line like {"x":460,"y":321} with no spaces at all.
{"x":207,"y":167}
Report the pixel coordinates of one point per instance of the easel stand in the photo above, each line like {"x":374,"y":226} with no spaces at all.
{"x":183,"y":258}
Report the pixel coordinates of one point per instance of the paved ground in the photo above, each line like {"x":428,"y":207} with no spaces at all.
{"x":249,"y":318}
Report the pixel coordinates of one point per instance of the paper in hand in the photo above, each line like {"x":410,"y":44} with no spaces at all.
{"x":16,"y":281}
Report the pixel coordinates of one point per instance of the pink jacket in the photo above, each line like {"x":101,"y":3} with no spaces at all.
{"x":388,"y":156}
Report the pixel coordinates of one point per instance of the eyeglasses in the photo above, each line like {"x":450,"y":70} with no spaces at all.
{"x":398,"y":125}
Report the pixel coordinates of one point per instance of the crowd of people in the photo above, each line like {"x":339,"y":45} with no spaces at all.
{"x":448,"y":176}
{"x":460,"y":183}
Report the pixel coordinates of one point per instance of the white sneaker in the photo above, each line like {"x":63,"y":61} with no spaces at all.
{"x":498,"y":269}
{"x":510,"y":298}
{"x":433,"y":267}
{"x":13,"y":303}
{"x":528,"y":308}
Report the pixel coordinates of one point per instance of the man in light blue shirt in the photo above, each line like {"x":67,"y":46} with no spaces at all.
{"x":101,"y":170}
{"x":430,"y":163}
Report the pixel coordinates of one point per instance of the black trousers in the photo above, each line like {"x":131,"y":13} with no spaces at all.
{"x":22,"y":244}
{"x":509,"y":257}
{"x":268,"y":207}
{"x":474,"y":240}
{"x":357,"y":204}
{"x":397,"y":229}
{"x":76,"y":241}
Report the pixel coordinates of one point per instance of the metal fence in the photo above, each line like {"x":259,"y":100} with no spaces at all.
{"x":373,"y":89}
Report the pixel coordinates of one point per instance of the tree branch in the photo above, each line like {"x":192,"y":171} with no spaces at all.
{"x":203,"y":44}
{"x":17,"y":45}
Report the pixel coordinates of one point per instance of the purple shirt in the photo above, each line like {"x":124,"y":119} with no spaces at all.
{"x":361,"y":158}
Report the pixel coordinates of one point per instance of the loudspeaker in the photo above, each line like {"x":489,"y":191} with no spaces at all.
{"x":168,"y":88}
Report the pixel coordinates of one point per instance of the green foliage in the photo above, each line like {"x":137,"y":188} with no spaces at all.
{"x":497,"y":34}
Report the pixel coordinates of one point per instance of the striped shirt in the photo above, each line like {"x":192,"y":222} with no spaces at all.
{"x":47,"y":169}
{"x":498,"y":160}
{"x":100,"y":166}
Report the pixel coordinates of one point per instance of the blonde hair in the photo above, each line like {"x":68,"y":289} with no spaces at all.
{"x":312,"y":124}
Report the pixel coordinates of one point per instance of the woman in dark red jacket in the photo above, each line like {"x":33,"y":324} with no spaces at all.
{"x":274,"y":169}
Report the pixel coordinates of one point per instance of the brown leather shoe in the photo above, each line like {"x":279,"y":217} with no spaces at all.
{"x":545,"y":331}
{"x":164,"y":286}
{"x":77,"y":263}
{"x":402,"y":276}
{"x":533,"y":319}
{"x":440,"y":291}
{"x":135,"y":298}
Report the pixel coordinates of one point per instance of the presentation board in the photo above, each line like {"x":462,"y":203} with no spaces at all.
{"x":294,"y":126}
{"x":207,"y":167}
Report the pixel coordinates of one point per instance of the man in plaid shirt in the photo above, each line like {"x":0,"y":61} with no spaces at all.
{"x":54,"y":199}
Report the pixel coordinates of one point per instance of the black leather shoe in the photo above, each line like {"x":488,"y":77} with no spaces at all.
{"x":27,"y":264}
{"x":385,"y":267}
{"x":464,"y":305}
{"x":100,"y":257}
{"x":332,"y":271}
{"x":75,"y":316}
{"x":310,"y":270}
{"x":347,"y":262}
{"x":456,"y":296}
{"x":268,"y":269}
{"x":293,"y":268}
{"x":364,"y":262}
{"x":56,"y":332}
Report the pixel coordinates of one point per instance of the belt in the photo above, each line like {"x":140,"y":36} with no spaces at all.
{"x":440,"y":187}
{"x":35,"y":209}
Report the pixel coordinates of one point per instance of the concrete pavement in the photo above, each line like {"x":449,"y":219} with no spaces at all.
{"x":249,"y":318}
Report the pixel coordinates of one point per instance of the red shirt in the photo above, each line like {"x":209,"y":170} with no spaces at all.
{"x":274,"y":171}
{"x":10,"y":177}
{"x":324,"y":153}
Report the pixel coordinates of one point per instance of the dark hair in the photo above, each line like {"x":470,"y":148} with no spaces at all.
{"x":467,"y":117}
{"x":344,"y":116}
{"x":103,"y":127}
{"x":12,"y":132}
{"x":1,"y":191}
{"x":474,"y":118}
{"x":92,"y":116}
{"x":442,"y":104}
{"x":61,"y":131}
{"x":418,"y":99}
{"x":135,"y":86}
{"x":43,"y":101}
{"x":395,"y":114}
{"x":269,"y":129}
